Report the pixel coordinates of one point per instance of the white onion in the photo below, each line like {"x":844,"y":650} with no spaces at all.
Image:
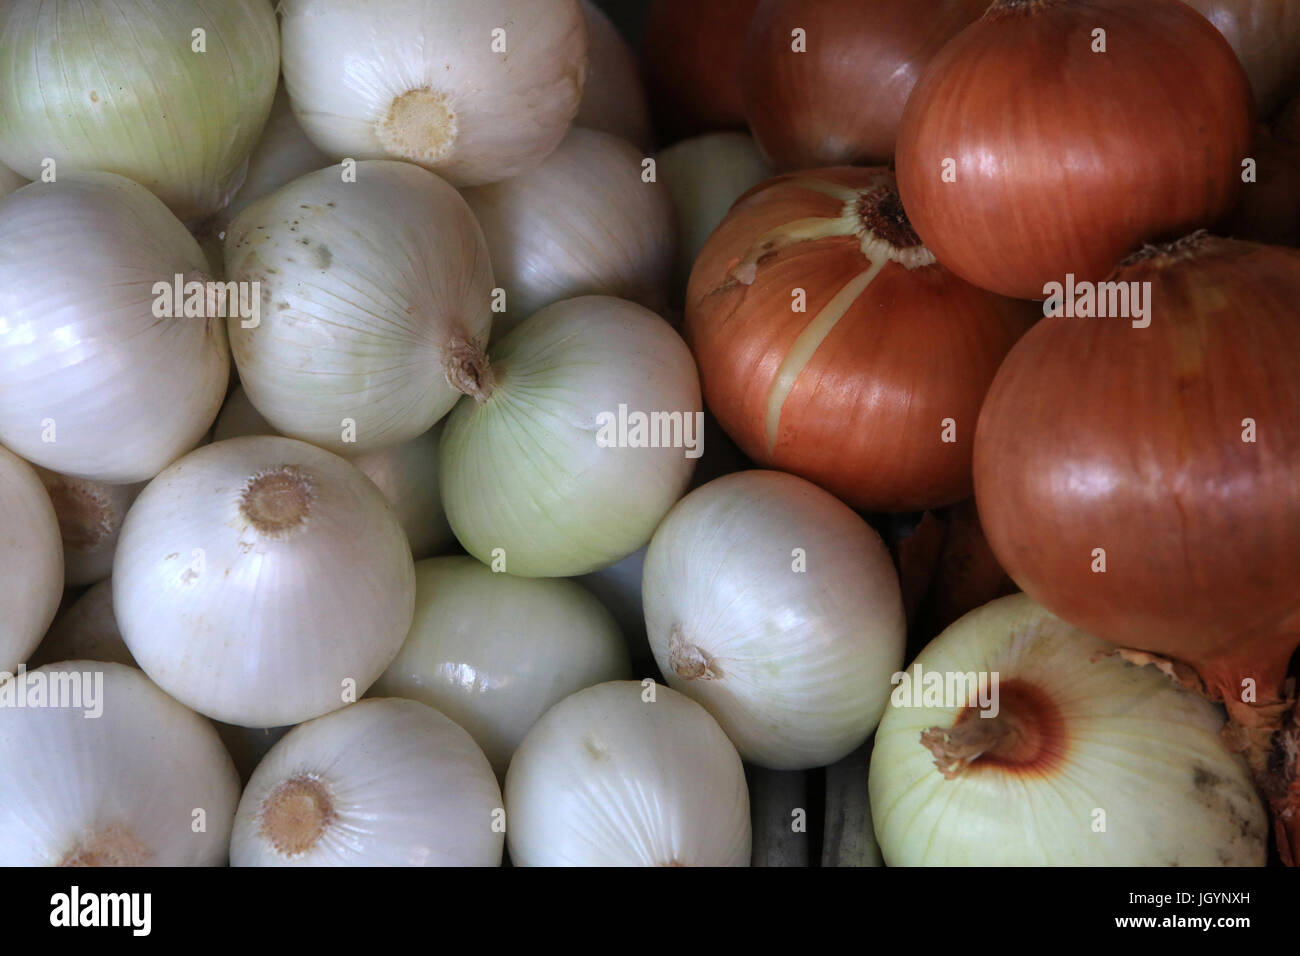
{"x":776,"y":607}
{"x":581,"y":223}
{"x":90,"y":517}
{"x":613,"y":99}
{"x":31,"y":560}
{"x":612,"y":776}
{"x":1090,"y":761}
{"x":146,"y":783}
{"x":406,"y":473}
{"x":263,"y":581}
{"x":493,"y":652}
{"x":371,"y":292}
{"x":420,"y":80}
{"x":92,"y":384}
{"x":525,"y":478}
{"x":123,"y":90}
{"x":705,"y":175}
{"x":380,"y":783}
{"x":85,"y":631}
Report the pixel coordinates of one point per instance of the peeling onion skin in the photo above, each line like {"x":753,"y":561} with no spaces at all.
{"x":1266,"y":37}
{"x":1046,"y":183}
{"x":118,"y":790}
{"x":83,"y":358}
{"x":793,"y":664}
{"x":302,"y":592}
{"x":1103,"y":735}
{"x":382,"y":782}
{"x":608,"y":778}
{"x":909,"y":344}
{"x":31,"y":560}
{"x":117,"y":87}
{"x":419,"y":81}
{"x":367,"y":287}
{"x":839,"y":101}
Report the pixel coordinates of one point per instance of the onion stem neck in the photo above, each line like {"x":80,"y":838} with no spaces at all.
{"x":468,"y":370}
{"x":111,"y":846}
{"x":1026,"y":735}
{"x":296,"y":814}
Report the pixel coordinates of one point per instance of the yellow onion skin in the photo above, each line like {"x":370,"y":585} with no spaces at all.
{"x":1024,"y":155}
{"x":1099,"y":435}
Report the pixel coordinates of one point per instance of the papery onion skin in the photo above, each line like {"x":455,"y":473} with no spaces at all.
{"x":627,"y":774}
{"x":263,"y":581}
{"x":31,"y":560}
{"x":838,"y":101}
{"x":613,"y":98}
{"x":407,"y":474}
{"x":872,"y":391}
{"x":705,"y":176}
{"x":584,"y":222}
{"x":90,"y":517}
{"x":1266,"y":37}
{"x":1099,"y":435}
{"x":1123,"y":768}
{"x":423,"y":82}
{"x":121,"y":789}
{"x":777,"y":608}
{"x":494,"y":652}
{"x":386,"y":783}
{"x":692,"y":51}
{"x":92,"y":384}
{"x":527,"y":486}
{"x":367,"y":288}
{"x":118,"y":87}
{"x":1015,"y":174}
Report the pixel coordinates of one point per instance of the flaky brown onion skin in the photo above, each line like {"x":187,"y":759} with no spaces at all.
{"x":840,"y":100}
{"x":691,"y":54}
{"x":1066,"y":160}
{"x":1266,"y":36}
{"x":891,"y":355}
{"x":1097,"y":434}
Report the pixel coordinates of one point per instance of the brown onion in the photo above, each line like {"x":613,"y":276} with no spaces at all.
{"x":1266,"y":37}
{"x":839,"y":99}
{"x":832,"y":345}
{"x":692,"y":52}
{"x":1024,"y":156}
{"x":1171,"y":454}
